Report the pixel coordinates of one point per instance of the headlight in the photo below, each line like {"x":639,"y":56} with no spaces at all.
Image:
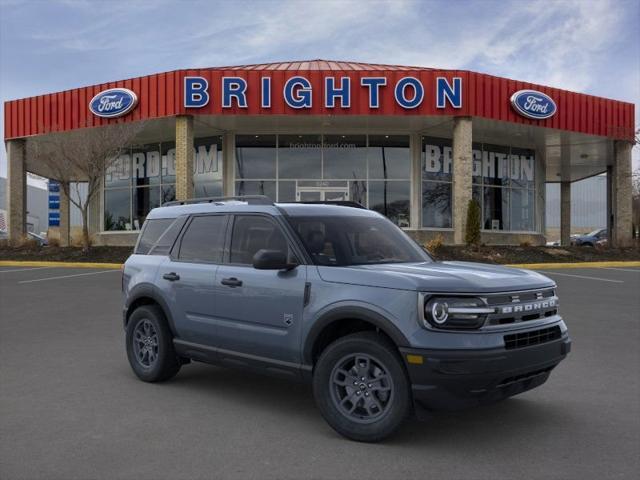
{"x":455,"y":312}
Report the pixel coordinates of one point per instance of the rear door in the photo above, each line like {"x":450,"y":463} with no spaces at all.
{"x":187,"y":277}
{"x":259,"y":312}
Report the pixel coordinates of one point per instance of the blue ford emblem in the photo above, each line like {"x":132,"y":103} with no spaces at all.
{"x":533,"y":104}
{"x":114,"y":102}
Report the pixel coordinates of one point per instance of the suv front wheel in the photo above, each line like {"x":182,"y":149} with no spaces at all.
{"x":150,"y":345}
{"x":361,"y":387}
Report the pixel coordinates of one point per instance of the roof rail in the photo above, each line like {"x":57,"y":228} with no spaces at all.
{"x":249,"y":199}
{"x":340,"y":203}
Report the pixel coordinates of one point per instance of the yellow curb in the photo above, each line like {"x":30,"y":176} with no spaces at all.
{"x":28,"y":263}
{"x":542,"y":266}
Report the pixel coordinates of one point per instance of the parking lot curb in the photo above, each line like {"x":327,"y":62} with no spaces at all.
{"x":542,"y":266}
{"x":28,"y":263}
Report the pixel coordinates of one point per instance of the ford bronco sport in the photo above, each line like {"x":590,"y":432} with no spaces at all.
{"x":338,"y":296}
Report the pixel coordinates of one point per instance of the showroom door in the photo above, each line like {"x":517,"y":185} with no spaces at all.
{"x":322,"y":192}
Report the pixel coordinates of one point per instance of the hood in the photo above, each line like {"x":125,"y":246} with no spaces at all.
{"x":453,"y":277}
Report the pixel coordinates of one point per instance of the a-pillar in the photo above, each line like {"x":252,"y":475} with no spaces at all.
{"x":462,"y":175}
{"x":621,"y":186}
{"x":184,"y":157}
{"x":16,"y":191}
{"x":565,"y":213}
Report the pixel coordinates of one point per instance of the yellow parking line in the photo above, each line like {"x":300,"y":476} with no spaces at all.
{"x":29,"y":263}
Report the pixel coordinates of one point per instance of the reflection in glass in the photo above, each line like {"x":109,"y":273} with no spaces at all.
{"x":522,"y":167}
{"x":389,"y":157}
{"x":168,"y":193}
{"x":436,"y":204}
{"x":437,"y":163}
{"x":168,"y":162}
{"x":496,"y":208}
{"x":117,"y":209}
{"x":207,"y":174}
{"x":118,"y":174}
{"x":286,"y":191}
{"x":522,"y":209}
{"x":495,"y":165}
{"x":392,"y":199}
{"x":144,"y":199}
{"x":145,"y":161}
{"x":255,"y":156}
{"x":300,"y":156}
{"x":345,"y":156}
{"x":259,"y":187}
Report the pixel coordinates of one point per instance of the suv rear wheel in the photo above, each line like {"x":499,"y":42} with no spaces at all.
{"x":150,"y":345}
{"x":361,"y":387}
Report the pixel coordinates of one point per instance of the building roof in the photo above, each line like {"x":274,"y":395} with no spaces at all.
{"x":321,"y":64}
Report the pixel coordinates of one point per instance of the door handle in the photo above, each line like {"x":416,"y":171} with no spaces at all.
{"x":231,"y":282}
{"x":172,"y":277}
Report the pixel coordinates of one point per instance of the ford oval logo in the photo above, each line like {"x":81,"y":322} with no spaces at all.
{"x":114,"y":102}
{"x":533,"y":104}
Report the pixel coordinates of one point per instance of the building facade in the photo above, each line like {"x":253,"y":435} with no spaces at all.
{"x":415,"y":144}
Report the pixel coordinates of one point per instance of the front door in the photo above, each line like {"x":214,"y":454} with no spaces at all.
{"x":258,"y":312}
{"x":187,"y":279}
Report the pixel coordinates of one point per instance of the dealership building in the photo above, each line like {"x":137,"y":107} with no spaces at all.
{"x":415,"y":144}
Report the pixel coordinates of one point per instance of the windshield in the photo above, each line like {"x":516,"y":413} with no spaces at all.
{"x":594,"y":233}
{"x":355,"y":240}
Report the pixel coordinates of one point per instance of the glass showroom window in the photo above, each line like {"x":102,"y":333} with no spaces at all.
{"x":436,"y":182}
{"x":503,"y":185}
{"x":144,"y":178}
{"x":372,"y":170}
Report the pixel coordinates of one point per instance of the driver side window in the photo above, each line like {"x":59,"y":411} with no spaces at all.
{"x":252,"y":233}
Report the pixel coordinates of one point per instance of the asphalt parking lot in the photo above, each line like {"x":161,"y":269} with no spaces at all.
{"x":70,"y":407}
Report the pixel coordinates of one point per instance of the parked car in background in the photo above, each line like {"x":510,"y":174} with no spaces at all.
{"x":590,"y":239}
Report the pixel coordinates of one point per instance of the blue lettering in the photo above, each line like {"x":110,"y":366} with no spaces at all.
{"x":234,"y":87}
{"x":297,"y":92}
{"x":400,"y":92}
{"x":266,"y":92}
{"x":374,"y":84}
{"x":331,"y":92}
{"x":445,"y":92}
{"x":196,"y":93}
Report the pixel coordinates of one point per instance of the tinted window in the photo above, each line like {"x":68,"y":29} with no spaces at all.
{"x":168,"y":238}
{"x":355,"y":240}
{"x":252,"y":233}
{"x":152,"y":231}
{"x":204,"y":239}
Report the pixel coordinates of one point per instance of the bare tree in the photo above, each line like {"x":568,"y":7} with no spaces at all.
{"x":82,"y":156}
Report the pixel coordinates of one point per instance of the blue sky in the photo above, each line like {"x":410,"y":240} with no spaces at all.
{"x":582,"y":45}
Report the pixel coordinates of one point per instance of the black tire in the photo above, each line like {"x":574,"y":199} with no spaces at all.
{"x":152,"y":357}
{"x":335,"y":387}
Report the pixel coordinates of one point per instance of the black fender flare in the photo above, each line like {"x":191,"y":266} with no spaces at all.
{"x":355,"y":313}
{"x":146,"y":290}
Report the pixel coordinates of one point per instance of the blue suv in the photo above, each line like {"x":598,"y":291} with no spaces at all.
{"x":336,"y":295}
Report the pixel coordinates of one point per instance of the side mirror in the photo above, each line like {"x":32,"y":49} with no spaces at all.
{"x":271,"y":260}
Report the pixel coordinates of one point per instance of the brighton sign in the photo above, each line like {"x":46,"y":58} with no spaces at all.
{"x":533,"y":104}
{"x":113,"y":103}
{"x":408,"y":92}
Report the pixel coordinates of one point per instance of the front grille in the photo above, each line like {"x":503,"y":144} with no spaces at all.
{"x":534,"y":337}
{"x":516,"y":307}
{"x":524,"y":377}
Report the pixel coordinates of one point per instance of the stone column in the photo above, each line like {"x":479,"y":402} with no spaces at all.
{"x":184,"y":157}
{"x":16,"y":191}
{"x":462,"y":175}
{"x":228,"y":164}
{"x":565,"y":213}
{"x":416,"y":180}
{"x":621,"y":184}
{"x":65,"y":217}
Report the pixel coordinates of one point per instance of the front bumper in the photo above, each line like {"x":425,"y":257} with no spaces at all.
{"x":453,"y":379}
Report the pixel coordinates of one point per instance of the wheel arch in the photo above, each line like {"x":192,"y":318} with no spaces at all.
{"x":145,"y":294}
{"x":348,"y":319}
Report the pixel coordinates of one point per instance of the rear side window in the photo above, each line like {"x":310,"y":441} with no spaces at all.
{"x":151,"y":232}
{"x":168,"y":238}
{"x":203,"y":241}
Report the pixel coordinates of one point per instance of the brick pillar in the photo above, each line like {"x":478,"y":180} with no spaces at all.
{"x":16,"y":191}
{"x":565,"y":213}
{"x":184,"y":157}
{"x":462,"y":175}
{"x":228,"y":164}
{"x":416,"y":181}
{"x":622,"y":190}
{"x":65,"y":217}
